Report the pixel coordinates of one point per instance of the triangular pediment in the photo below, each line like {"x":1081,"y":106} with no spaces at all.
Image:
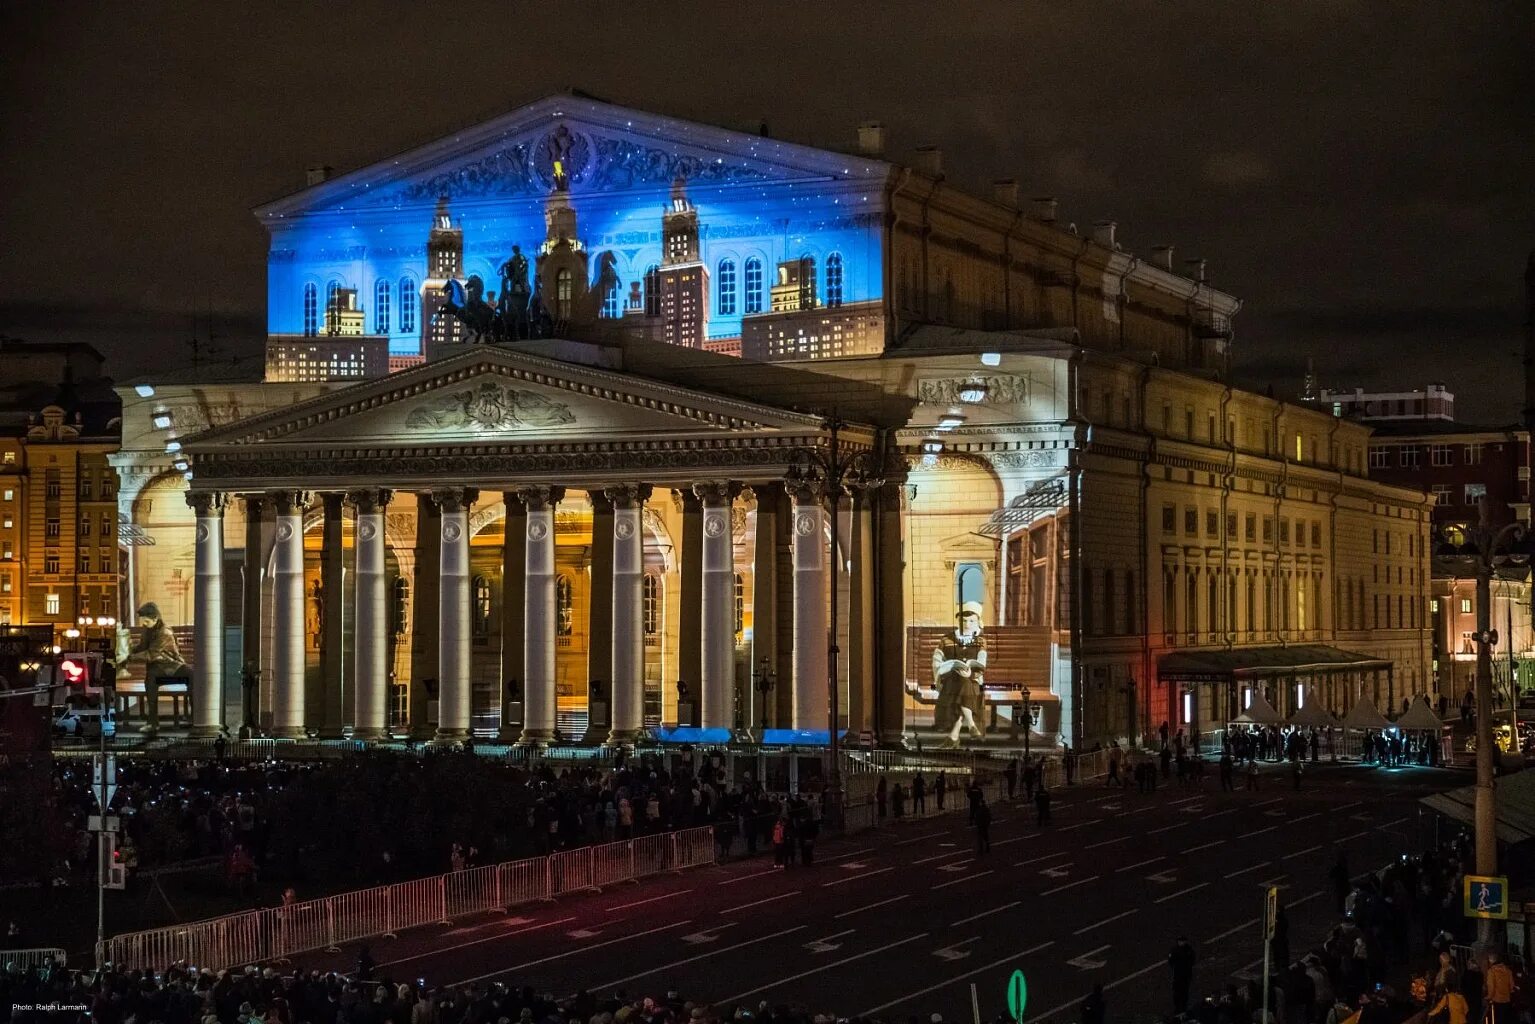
{"x":602,"y":147}
{"x":499,"y":395}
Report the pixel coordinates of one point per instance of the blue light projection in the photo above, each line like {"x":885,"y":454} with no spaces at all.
{"x":751,"y":217}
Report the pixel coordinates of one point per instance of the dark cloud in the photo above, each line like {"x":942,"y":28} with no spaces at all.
{"x":1357,"y":172}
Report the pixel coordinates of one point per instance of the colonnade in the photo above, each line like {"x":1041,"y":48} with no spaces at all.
{"x":706,"y":633}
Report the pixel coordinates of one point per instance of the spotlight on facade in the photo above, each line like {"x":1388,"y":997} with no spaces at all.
{"x":162,"y":420}
{"x":145,"y":391}
{"x":172,"y":446}
{"x":973,"y":390}
{"x":932,"y":445}
{"x":187,"y":474}
{"x":181,"y":464}
{"x":991,"y":358}
{"x":950,"y":420}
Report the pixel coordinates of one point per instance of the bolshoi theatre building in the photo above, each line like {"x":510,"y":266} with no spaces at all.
{"x":587,"y":424}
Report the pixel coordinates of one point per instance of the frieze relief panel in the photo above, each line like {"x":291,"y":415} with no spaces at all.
{"x":488,"y":406}
{"x":1001,"y":389}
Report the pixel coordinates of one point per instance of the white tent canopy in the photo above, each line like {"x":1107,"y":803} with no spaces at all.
{"x":1364,"y":715}
{"x":1311,"y":713}
{"x":1259,"y":712}
{"x":1420,"y":716}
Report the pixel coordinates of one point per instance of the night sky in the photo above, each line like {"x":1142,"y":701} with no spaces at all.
{"x":1362,"y":174}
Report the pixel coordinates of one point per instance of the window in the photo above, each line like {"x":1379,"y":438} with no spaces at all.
{"x":1442,"y":493}
{"x":653,"y":290}
{"x":1169,"y":519}
{"x":52,"y":488}
{"x":1409,"y":456}
{"x":564,"y":285}
{"x":51,"y":604}
{"x":1465,"y":606}
{"x":753,"y":285}
{"x":739,"y":607}
{"x":9,"y":494}
{"x":1212,"y":522}
{"x":407,"y":305}
{"x":1439,"y":455}
{"x":1268,"y":529}
{"x":969,"y":583}
{"x":1212,"y":428}
{"x":480,"y":606}
{"x":51,"y":562}
{"x":381,"y":308}
{"x":727,"y":287}
{"x":1188,"y":422}
{"x":1475,"y":493}
{"x":564,"y":605}
{"x":613,"y":303}
{"x":834,"y":279}
{"x":651,"y":590}
{"x":399,"y":608}
{"x":85,"y":563}
{"x":85,"y":525}
{"x":52,"y":527}
{"x":1191,"y":521}
{"x":85,"y":489}
{"x":1316,"y":533}
{"x":1231,"y":526}
{"x":107,"y":527}
{"x":1284,"y":531}
{"x":311,"y":311}
{"x":1473,"y":454}
{"x":1380,"y":458}
{"x":1250,"y":529}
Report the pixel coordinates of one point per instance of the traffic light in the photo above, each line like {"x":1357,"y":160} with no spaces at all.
{"x":114,"y":873}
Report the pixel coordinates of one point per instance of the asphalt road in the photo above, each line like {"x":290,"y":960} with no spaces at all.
{"x":902,"y":920}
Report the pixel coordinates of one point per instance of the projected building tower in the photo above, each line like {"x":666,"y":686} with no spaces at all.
{"x":444,"y":263}
{"x":683,"y":280}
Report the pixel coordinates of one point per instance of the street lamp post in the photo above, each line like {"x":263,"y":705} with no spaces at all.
{"x":764,"y":683}
{"x":834,"y":470}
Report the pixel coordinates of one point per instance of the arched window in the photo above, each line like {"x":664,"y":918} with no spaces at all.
{"x":311,"y":311}
{"x":480,"y":606}
{"x":834,"y":279}
{"x":399,"y":608}
{"x":653,"y":290}
{"x":652,"y":603}
{"x":564,"y":283}
{"x":564,"y":605}
{"x":381,"y":307}
{"x":407,"y":305}
{"x":739,"y":605}
{"x":807,"y":296}
{"x":726,"y":283}
{"x":753,"y":285}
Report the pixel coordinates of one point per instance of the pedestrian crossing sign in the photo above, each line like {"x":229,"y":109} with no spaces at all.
{"x":1487,"y":896}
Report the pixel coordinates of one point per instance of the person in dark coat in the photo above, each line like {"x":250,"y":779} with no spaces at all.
{"x":1181,"y":960}
{"x":983,"y":828}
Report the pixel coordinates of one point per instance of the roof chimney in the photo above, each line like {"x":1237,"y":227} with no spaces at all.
{"x":1195,"y":268}
{"x":1044,"y":209}
{"x":1005,"y":191}
{"x":871,"y":139}
{"x":316,"y":175}
{"x":1103,"y":233}
{"x":1162,"y":256}
{"x":929,"y":160}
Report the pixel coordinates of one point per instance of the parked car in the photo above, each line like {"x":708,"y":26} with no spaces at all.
{"x":84,"y":723}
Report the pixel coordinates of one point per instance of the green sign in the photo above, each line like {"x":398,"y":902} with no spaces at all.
{"x":1486,"y":896}
{"x":1017,"y":996}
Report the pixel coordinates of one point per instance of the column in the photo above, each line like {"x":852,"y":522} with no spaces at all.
{"x":765,"y":606}
{"x":861,"y":711}
{"x":890,"y":611}
{"x":453,"y":624}
{"x":599,"y":623}
{"x":370,"y":639}
{"x":812,"y":702}
{"x":208,"y":674}
{"x":717,"y":583}
{"x":332,"y":621}
{"x":423,"y":614}
{"x":250,"y":612}
{"x":288,"y":616}
{"x":514,"y":551}
{"x":690,"y":625}
{"x":627,"y":610}
{"x":540,"y":619}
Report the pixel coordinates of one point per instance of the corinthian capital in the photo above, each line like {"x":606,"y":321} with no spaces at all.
{"x":208,"y":503}
{"x":455,"y":499}
{"x":716,"y":492}
{"x":290,"y":502}
{"x":627,"y":495}
{"x":805,"y":490}
{"x":371,"y":500}
{"x":539,"y":498}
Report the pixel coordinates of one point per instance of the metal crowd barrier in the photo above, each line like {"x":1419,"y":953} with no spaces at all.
{"x":326,"y":923}
{"x":26,"y":959}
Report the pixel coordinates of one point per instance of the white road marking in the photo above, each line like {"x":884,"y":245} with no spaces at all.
{"x":1111,"y":985}
{"x":844,"y":856}
{"x":1080,"y":824}
{"x":1232,"y":931}
{"x":1086,"y":961}
{"x":956,"y":881}
{"x":758,"y":903}
{"x":918,"y":839}
{"x":1206,"y":846}
{"x":1139,"y":864}
{"x":701,"y":956}
{"x":1222,"y":814}
{"x":1106,"y":842}
{"x":653,"y":899}
{"x":1036,"y":860}
{"x":953,"y":952}
{"x":1181,"y":892}
{"x":1277,"y":799}
{"x":1302,"y":853}
{"x":1016,"y":839}
{"x":573,"y":952}
{"x":742,"y":878}
{"x":1070,"y":885}
{"x":1345,"y":807}
{"x":1185,"y":800}
{"x":1305,"y":817}
{"x":1305,"y":899}
{"x":1255,"y":867}
{"x":1105,"y":921}
{"x":707,"y":935}
{"x":1010,"y":959}
{"x":825,"y":945}
{"x":853,"y":878}
{"x":817,"y":970}
{"x":1356,"y":835}
{"x":1396,"y":821}
{"x":871,"y":906}
{"x":476,"y":942}
{"x":1260,"y":832}
{"x":986,"y":913}
{"x":1166,"y":828}
{"x":1163,"y":877}
{"x":940,"y":856}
